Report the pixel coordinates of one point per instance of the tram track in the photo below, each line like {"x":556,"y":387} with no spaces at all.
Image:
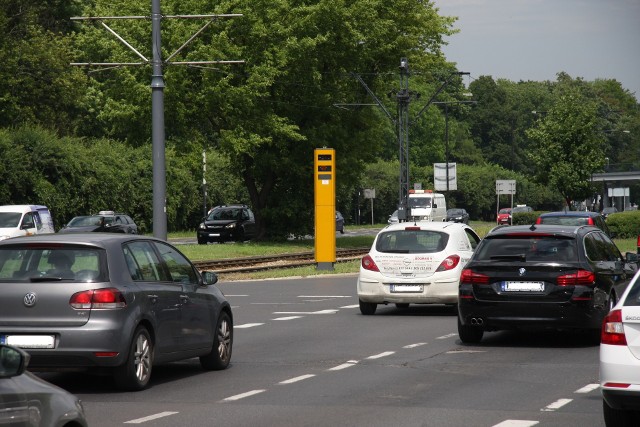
{"x":271,"y":262}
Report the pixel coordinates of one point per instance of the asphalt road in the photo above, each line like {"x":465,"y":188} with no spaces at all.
{"x":305,"y":356}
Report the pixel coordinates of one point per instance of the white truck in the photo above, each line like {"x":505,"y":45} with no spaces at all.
{"x":425,"y":205}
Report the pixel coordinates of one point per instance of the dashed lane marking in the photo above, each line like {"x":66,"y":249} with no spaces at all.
{"x":447,"y":336}
{"x":351,"y":306}
{"x":349,"y":364}
{"x":247,"y":325}
{"x":378,"y":356}
{"x":288,"y":318}
{"x":243,"y":395}
{"x":296,"y":379}
{"x":517,"y":423}
{"x":588,"y":388}
{"x":556,"y":405}
{"x":418,"y":344}
{"x":150,"y":417}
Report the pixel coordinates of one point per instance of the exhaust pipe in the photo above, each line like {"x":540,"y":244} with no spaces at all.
{"x":477,"y":321}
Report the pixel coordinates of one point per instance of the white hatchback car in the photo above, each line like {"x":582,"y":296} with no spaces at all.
{"x":620,"y":359}
{"x":415,"y":263}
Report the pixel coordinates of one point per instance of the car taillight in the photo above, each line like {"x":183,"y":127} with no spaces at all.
{"x":580,"y":277}
{"x":590,"y":221}
{"x":613,"y":329}
{"x":108,"y":298}
{"x":369,"y":264}
{"x":471,"y":277}
{"x":449,"y":263}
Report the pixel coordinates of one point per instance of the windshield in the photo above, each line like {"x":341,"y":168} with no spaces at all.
{"x":505,"y":211}
{"x":420,"y":202}
{"x":225,"y":214}
{"x":84,"y":221}
{"x":50,"y":263}
{"x":9,"y":219}
{"x":529,"y":248}
{"x":412,"y":241}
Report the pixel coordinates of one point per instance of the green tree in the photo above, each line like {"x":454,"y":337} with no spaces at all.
{"x":567,"y":146}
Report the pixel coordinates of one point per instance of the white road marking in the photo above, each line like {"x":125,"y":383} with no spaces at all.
{"x":243,"y":395}
{"x":351,"y":306}
{"x":378,"y":356}
{"x":447,"y":336}
{"x":587,"y":388}
{"x":418,"y":344}
{"x":296,"y":379}
{"x":465,"y":351}
{"x":349,"y":364}
{"x":239,"y":295}
{"x":151,"y":417}
{"x":556,"y":405}
{"x":324,"y":296}
{"x":332,"y":311}
{"x":288,"y":318}
{"x":516,"y":423}
{"x":247,"y":325}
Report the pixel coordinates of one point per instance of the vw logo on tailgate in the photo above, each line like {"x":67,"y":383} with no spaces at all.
{"x":30,"y":299}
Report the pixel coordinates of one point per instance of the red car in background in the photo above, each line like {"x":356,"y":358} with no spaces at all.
{"x":504,"y":216}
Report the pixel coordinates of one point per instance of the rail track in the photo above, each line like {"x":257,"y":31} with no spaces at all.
{"x":270,"y":262}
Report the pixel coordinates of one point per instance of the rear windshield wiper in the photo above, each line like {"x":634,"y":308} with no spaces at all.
{"x":514,"y":257}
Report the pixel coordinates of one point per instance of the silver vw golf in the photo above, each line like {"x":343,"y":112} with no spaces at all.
{"x":110,"y":302}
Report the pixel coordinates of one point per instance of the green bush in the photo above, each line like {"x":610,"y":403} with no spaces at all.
{"x":525,"y":218}
{"x":624,"y":224}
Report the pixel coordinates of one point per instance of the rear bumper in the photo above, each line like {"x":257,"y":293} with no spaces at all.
{"x":619,"y":366}
{"x":513,"y":315}
{"x":435,"y":290}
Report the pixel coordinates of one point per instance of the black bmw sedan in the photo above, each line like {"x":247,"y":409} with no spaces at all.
{"x":541,"y":277}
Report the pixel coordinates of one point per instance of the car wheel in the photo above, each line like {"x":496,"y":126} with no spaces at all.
{"x":469,"y":334}
{"x":240,"y":237}
{"x":136,"y":371}
{"x":402,"y":305}
{"x":220,"y":355}
{"x":202,"y":241}
{"x":342,"y":230}
{"x":619,"y":418}
{"x":367,"y":308}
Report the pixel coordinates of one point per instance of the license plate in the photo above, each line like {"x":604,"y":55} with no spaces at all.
{"x":214,"y":235}
{"x":523,"y":286}
{"x":28,"y":341}
{"x":406,"y":288}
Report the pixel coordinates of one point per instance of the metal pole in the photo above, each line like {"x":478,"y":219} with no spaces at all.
{"x":204,"y":182}
{"x":446,"y":139}
{"x":157,"y":128}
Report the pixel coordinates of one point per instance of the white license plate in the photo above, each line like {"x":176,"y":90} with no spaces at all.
{"x":29,"y":341}
{"x":523,"y":286}
{"x":214,"y":235}
{"x":406,"y":288}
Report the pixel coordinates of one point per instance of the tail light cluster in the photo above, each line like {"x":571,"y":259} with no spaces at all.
{"x":106,"y":299}
{"x":612,"y":329}
{"x":471,"y":277}
{"x":449,"y":263}
{"x":580,"y":277}
{"x":369,"y":264}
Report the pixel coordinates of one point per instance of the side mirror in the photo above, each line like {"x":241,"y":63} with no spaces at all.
{"x":13,"y":361}
{"x":209,"y":278}
{"x":631,"y":257}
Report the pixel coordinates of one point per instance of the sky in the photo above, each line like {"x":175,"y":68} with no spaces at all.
{"x":537,"y":39}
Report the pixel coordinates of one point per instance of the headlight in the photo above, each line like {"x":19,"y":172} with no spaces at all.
{"x":232,"y":225}
{"x":202,"y":226}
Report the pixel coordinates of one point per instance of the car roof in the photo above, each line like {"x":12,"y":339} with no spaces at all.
{"x":560,"y":230}
{"x":581,"y":214}
{"x":95,"y":239}
{"x":425,"y":225}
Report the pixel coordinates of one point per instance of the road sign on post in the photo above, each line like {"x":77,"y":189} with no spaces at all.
{"x":444,"y":177}
{"x":504,"y":186}
{"x":370,"y":194}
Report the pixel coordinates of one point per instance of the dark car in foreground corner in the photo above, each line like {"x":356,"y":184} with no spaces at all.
{"x":119,"y":304}
{"x":574,"y":218}
{"x":541,"y":277}
{"x":27,"y":400}
{"x":227,"y":223}
{"x":458,"y":215}
{"x":620,"y":360}
{"x":103,"y":222}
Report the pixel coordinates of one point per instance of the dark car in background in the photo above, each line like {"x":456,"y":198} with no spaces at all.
{"x":103,"y":222}
{"x":227,"y":223}
{"x":458,"y":215}
{"x":27,"y":400}
{"x":541,"y":277}
{"x":124,"y":304}
{"x":574,"y":218}
{"x":608,"y":211}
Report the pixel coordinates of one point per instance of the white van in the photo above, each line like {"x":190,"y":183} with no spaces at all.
{"x":24,"y":220}
{"x":425,"y":205}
